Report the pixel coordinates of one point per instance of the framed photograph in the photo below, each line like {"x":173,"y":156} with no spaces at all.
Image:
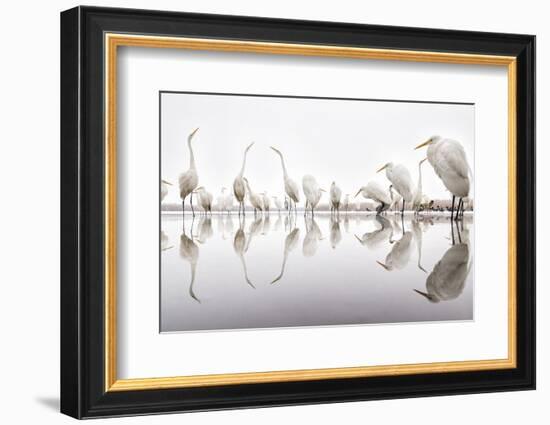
{"x":261,"y":212}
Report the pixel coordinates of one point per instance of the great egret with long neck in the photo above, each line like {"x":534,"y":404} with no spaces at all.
{"x":448,"y":159}
{"x":291,"y":187}
{"x":164,"y":189}
{"x":189,"y":180}
{"x":378,"y":194}
{"x":400,"y":179}
{"x":291,"y":241}
{"x":418,"y":196}
{"x":312,"y":192}
{"x":239,"y":189}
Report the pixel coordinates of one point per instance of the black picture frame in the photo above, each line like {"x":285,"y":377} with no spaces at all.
{"x":83,"y":392}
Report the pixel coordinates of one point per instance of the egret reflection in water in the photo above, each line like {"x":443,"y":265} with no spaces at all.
{"x":189,"y":251}
{"x":324,"y":286}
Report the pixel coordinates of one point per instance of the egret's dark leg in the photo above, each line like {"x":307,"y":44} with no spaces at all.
{"x":458,"y":208}
{"x":403,"y":208}
{"x":183,"y":208}
{"x":452,"y":209}
{"x":191,"y":202}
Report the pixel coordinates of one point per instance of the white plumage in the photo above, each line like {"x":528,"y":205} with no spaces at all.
{"x":239,"y":189}
{"x":378,"y":194}
{"x":164,"y":189}
{"x":189,"y":180}
{"x":448,"y":159}
{"x":291,"y":187}
{"x":335,"y":197}
{"x":312,"y":191}
{"x":400,"y":179}
{"x":205,"y":199}
{"x":256,"y":199}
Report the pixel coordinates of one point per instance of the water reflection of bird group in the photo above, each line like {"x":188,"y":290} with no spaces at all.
{"x":444,"y":282}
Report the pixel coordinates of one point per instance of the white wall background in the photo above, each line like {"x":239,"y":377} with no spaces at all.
{"x":29,"y":224}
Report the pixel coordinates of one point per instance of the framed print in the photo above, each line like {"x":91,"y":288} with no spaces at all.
{"x":261,"y":212}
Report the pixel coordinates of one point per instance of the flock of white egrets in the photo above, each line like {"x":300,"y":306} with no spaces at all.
{"x":446,"y":156}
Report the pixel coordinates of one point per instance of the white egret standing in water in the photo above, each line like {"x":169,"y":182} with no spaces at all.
{"x":400,"y":179}
{"x":205,"y":199}
{"x":239,"y":189}
{"x":240,"y":246}
{"x":277,"y":203}
{"x":164,"y":189}
{"x":312,"y":192}
{"x":418,"y":196}
{"x":448,"y":159}
{"x":266,"y":202}
{"x":189,"y":180}
{"x":378,"y":194}
{"x":256,"y":199}
{"x":335,"y":197}
{"x":291,"y":187}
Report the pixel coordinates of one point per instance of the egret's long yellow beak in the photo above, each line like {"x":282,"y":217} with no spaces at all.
{"x":322,"y":190}
{"x":165,"y":182}
{"x":357,"y":194}
{"x":383,"y":168}
{"x":421,"y":145}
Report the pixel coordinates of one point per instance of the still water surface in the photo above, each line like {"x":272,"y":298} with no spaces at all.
{"x":280,"y":271}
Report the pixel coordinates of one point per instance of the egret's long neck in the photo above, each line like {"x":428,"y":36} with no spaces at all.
{"x":191,"y":156}
{"x":283,"y":164}
{"x":244,"y":163}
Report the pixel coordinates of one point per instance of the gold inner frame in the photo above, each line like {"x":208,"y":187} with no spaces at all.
{"x":113,"y":41}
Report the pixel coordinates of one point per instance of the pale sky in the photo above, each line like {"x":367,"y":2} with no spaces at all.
{"x":334,"y":140}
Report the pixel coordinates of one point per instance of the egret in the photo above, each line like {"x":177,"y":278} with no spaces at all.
{"x":222,"y":200}
{"x":189,"y":180}
{"x":396,"y":199}
{"x":239,"y":189}
{"x":291,"y":188}
{"x":335,"y":197}
{"x":448,"y":159}
{"x":448,"y":278}
{"x":205,"y":199}
{"x":418,"y":197}
{"x":164,"y":189}
{"x":375,"y":192}
{"x":400,"y":179}
{"x":291,"y":241}
{"x":346,"y":202}
{"x":312,"y":192}
{"x":400,"y":253}
{"x":277,"y":203}
{"x":255,"y":199}
{"x":266,"y":202}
